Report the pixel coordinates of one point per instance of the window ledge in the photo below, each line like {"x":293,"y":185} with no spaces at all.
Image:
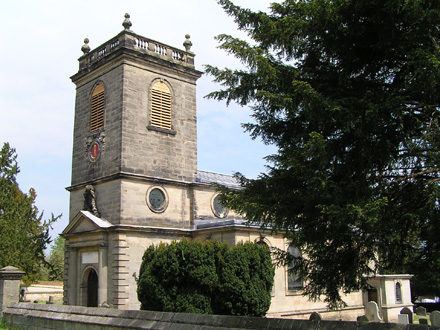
{"x":295,"y":292}
{"x":161,"y":130}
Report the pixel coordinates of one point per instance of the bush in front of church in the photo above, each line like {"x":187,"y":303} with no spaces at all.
{"x":206,"y":278}
{"x":246,"y":279}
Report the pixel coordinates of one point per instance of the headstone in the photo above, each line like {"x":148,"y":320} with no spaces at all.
{"x":372,"y":312}
{"x":403,"y":319}
{"x":423,"y":321}
{"x":362,"y":318}
{"x":420,"y":310}
{"x":435,"y":318}
{"x":50,"y":302}
{"x":315,"y":317}
{"x":408,"y":312}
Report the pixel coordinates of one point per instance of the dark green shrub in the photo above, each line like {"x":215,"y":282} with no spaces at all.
{"x":179,"y":277}
{"x":206,"y":278}
{"x":246,"y":277}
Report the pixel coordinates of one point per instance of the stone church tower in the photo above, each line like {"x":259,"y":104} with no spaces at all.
{"x":134,"y":166}
{"x":135,"y":180}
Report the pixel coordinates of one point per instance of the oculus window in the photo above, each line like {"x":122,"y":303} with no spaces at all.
{"x":219,"y":210}
{"x":157,"y":199}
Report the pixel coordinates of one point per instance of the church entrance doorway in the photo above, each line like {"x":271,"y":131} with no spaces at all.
{"x":92,"y":289}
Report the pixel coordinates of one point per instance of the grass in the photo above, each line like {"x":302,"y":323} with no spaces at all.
{"x":417,"y":317}
{"x":3,"y":326}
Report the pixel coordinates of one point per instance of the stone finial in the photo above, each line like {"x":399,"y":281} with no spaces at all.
{"x":127,"y":23}
{"x":187,"y":43}
{"x":85,"y":48}
{"x":11,"y":273}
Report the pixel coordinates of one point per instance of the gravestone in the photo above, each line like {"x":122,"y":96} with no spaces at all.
{"x":435,"y":318}
{"x":403,"y":319}
{"x":423,"y":321}
{"x":421,"y":311}
{"x":315,"y":316}
{"x":362,"y":318}
{"x":372,"y":312}
{"x":408,"y":312}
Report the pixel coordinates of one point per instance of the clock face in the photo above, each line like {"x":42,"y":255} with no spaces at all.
{"x":156,"y":198}
{"x":94,"y":152}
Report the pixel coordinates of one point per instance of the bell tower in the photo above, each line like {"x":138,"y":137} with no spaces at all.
{"x":135,"y":123}
{"x":134,"y":163}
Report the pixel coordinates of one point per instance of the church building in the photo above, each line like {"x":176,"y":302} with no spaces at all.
{"x":135,"y":182}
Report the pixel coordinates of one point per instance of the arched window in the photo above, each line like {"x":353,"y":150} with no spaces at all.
{"x":97,"y":108}
{"x":398,"y":293}
{"x":160,"y":115}
{"x":294,"y":282}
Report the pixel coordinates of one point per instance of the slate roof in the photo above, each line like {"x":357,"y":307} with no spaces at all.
{"x":208,"y":224}
{"x":222,"y":179}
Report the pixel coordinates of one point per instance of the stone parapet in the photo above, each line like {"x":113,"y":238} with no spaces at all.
{"x":130,"y":40}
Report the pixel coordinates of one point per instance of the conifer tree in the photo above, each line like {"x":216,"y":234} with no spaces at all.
{"x":24,"y":234}
{"x":349,"y":93}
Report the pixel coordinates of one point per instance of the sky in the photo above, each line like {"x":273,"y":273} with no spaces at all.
{"x":41,"y":44}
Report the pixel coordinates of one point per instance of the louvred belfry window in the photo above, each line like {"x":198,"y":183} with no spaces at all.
{"x":97,"y":109}
{"x":160,"y":105}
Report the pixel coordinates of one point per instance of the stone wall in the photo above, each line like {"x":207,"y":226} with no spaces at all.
{"x":37,"y":316}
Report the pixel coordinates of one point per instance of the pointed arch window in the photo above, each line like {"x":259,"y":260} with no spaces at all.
{"x":398,"y":293}
{"x":160,"y":112}
{"x":97,"y":108}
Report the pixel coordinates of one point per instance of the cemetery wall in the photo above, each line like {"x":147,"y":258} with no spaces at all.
{"x":38,"y":316}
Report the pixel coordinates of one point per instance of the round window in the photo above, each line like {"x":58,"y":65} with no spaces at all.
{"x":157,"y":199}
{"x":218,"y":208}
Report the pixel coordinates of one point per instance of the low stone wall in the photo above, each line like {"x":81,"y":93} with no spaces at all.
{"x":38,"y":316}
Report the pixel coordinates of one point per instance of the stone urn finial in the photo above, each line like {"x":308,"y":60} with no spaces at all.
{"x":85,"y":48}
{"x":126,"y":23}
{"x":187,"y":43}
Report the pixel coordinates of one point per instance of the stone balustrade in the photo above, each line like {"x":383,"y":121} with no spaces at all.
{"x":130,"y":40}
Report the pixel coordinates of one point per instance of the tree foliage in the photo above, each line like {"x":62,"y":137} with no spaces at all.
{"x":24,"y":234}
{"x":55,"y":261}
{"x":206,"y":278}
{"x":348,"y":91}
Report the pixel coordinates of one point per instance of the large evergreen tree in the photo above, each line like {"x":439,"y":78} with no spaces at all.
{"x":24,"y":234}
{"x":349,"y":93}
